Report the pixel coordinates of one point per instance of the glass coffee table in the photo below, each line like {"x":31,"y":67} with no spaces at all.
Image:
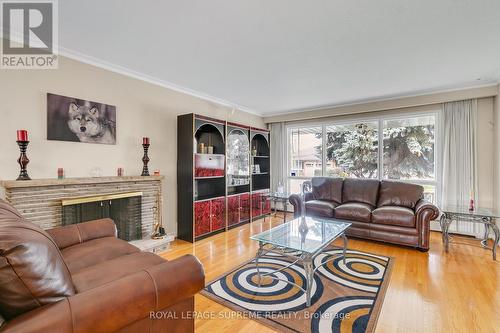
{"x":301,"y":240}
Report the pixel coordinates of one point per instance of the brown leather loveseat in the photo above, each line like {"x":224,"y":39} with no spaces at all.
{"x":388,"y":211}
{"x":81,"y":278}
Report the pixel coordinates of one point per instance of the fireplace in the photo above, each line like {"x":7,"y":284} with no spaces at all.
{"x":123,"y":208}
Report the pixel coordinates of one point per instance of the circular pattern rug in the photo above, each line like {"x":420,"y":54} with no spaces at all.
{"x":361,"y":271}
{"x":241,"y":287}
{"x":345,"y":297}
{"x":347,"y":314}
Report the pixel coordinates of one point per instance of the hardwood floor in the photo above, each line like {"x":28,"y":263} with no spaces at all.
{"x":428,"y":292}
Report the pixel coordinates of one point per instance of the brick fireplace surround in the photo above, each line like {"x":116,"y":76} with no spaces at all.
{"x":40,"y":201}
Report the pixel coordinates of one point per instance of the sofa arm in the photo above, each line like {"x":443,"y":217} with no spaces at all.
{"x":117,"y":304}
{"x":423,"y":205}
{"x":296,"y":201}
{"x":425,"y":212}
{"x":82,"y":232}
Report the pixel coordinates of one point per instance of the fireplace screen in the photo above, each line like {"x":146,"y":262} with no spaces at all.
{"x":124,"y":209}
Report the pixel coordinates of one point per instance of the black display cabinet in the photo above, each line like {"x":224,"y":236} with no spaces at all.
{"x":217,"y":186}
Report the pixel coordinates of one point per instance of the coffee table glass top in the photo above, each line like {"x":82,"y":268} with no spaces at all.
{"x":305,"y":234}
{"x":463,"y":210}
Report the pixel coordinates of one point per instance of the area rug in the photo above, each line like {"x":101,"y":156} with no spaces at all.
{"x":345,"y":298}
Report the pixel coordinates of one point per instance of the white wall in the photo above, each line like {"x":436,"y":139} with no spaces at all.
{"x":486,"y":152}
{"x":143,"y":109}
{"x":496,"y":145}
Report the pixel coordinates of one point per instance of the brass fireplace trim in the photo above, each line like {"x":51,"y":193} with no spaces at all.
{"x":81,"y":200}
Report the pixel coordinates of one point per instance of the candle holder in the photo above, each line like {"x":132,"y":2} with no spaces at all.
{"x":23,"y":160}
{"x":145,"y":160}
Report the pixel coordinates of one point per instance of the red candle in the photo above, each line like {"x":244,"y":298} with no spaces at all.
{"x":145,"y":141}
{"x":22,"y":135}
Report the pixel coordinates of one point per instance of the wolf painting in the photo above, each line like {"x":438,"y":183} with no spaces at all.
{"x":72,"y":119}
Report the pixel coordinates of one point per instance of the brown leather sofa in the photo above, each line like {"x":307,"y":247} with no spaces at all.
{"x":393,"y":212}
{"x":81,"y":278}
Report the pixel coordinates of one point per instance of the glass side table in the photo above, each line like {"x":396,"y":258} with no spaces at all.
{"x":276,"y":197}
{"x":479,"y":215}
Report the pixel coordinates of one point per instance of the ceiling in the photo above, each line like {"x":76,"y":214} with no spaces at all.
{"x":278,"y":56}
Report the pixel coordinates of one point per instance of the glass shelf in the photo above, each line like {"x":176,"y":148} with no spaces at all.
{"x":210,"y":155}
{"x":238,"y":158}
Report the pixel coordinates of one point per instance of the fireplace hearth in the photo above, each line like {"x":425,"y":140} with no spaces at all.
{"x":123,"y":208}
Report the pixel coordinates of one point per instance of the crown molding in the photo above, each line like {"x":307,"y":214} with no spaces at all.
{"x":89,"y":60}
{"x":267,"y":116}
{"x":383,"y":99}
{"x":390,"y":103}
{"x":83,"y":58}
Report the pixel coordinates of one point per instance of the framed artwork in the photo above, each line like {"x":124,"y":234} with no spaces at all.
{"x":78,"y":120}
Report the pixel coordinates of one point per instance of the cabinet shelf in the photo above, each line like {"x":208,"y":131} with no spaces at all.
{"x":207,"y":197}
{"x":209,"y":177}
{"x":210,"y":155}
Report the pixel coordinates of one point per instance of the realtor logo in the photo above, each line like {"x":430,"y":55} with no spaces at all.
{"x":29,"y":34}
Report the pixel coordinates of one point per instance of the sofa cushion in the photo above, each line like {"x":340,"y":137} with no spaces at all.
{"x":360,"y":190}
{"x":326,"y":188}
{"x":320,"y":208}
{"x":32,"y":270}
{"x":394,"y":215}
{"x":110,"y":270}
{"x":399,"y":194}
{"x":93,"y":252}
{"x":355,"y":211}
{"x":74,"y":234}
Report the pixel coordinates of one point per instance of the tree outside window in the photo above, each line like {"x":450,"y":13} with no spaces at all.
{"x":409,"y":148}
{"x":352,"y":150}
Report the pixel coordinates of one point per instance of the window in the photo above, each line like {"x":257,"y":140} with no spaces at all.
{"x":396,"y":148}
{"x":305,"y":152}
{"x":352,"y":150}
{"x":409,"y":152}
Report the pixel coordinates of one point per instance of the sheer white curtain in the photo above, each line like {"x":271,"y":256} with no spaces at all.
{"x":278,"y":154}
{"x":459,"y":159}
